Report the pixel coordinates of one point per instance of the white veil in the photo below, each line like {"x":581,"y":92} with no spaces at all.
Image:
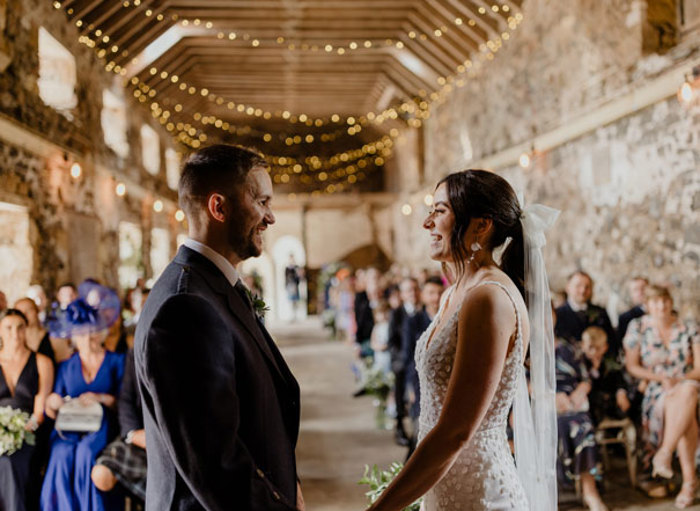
{"x":535,"y":420}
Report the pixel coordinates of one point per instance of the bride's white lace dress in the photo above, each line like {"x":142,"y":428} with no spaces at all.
{"x":483,"y":477}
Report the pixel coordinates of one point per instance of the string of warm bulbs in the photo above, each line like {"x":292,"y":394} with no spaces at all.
{"x":143,"y":93}
{"x":487,"y":51}
{"x":296,"y":44}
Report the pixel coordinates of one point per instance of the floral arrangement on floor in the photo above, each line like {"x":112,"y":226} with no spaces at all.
{"x":13,"y":432}
{"x":376,"y":382}
{"x":378,"y":480}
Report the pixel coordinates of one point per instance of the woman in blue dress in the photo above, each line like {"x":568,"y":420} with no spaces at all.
{"x":91,"y":375}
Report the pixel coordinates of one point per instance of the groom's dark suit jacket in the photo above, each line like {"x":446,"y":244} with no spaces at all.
{"x":221,"y":407}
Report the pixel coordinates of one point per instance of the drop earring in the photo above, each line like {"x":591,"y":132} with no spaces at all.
{"x":475,"y":247}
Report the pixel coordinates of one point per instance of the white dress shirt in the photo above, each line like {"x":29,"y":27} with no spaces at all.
{"x":219,"y":261}
{"x":576,"y":307}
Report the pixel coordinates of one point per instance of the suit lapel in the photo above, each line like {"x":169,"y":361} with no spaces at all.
{"x":242,"y":313}
{"x":240,"y":310}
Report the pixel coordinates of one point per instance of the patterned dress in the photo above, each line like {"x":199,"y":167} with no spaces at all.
{"x":483,"y":475}
{"x":577,"y":450}
{"x":672,"y":361}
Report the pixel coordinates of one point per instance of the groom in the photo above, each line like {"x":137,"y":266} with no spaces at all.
{"x":221,"y":407}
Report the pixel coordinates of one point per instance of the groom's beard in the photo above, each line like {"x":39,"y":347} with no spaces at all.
{"x":244,"y":242}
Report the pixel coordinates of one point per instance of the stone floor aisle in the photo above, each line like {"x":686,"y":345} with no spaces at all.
{"x":337,"y":431}
{"x":338,"y":436}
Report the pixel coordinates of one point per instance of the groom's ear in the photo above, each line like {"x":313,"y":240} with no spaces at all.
{"x":215,"y":207}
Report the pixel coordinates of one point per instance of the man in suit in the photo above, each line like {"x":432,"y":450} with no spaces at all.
{"x":637,"y":289}
{"x":578,"y":313}
{"x":221,"y":408}
{"x":414,"y":327}
{"x":410,"y":298}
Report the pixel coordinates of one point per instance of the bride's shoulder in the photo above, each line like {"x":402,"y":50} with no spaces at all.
{"x":495,"y":297}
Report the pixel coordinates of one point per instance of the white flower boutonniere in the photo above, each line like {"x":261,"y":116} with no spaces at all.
{"x":259,"y":305}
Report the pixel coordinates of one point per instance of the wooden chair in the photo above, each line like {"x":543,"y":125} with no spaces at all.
{"x":625,"y":433}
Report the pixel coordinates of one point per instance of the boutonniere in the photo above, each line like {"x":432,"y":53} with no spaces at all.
{"x":259,"y":305}
{"x":592,"y":314}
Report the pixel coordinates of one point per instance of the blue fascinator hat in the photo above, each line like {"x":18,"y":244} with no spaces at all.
{"x":97,"y":308}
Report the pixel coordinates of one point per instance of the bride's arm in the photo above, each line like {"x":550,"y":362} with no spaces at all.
{"x":486,"y":324}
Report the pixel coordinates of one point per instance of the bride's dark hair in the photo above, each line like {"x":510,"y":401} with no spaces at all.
{"x":483,"y":194}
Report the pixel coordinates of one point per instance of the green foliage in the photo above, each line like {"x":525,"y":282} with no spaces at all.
{"x":376,"y":382}
{"x":378,"y":480}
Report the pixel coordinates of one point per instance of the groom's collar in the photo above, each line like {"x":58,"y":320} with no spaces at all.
{"x":223,"y":264}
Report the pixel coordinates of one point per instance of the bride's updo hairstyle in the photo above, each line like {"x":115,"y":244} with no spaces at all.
{"x":483,"y":194}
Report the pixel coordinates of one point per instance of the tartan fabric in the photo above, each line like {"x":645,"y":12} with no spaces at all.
{"x":128,"y":463}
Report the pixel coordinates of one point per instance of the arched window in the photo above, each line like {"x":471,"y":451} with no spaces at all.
{"x":160,"y":251}
{"x":114,"y":122}
{"x":172,"y":168}
{"x":57,"y":74}
{"x":150,"y":149}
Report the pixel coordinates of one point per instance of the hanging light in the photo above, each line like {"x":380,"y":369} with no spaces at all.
{"x":406,"y":209}
{"x":428,"y":200}
{"x":685,"y":93}
{"x":158,"y":206}
{"x":76,"y":170}
{"x":179,"y":215}
{"x":524,"y":161}
{"x":120,"y":189}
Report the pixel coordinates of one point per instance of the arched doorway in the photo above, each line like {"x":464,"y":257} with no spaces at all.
{"x":285,"y":249}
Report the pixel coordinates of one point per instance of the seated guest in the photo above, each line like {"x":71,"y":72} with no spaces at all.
{"x":92,"y":375}
{"x":62,"y":347}
{"x":578,"y":313}
{"x":578,"y":452}
{"x":37,"y":336}
{"x":26,"y":378}
{"x":124,"y":460}
{"x":637,"y":287}
{"x":38,"y":295}
{"x":39,"y":342}
{"x":380,"y":338}
{"x":665,"y":351}
{"x":609,"y":395}
{"x":413,"y":328}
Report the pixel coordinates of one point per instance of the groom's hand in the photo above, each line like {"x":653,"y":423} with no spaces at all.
{"x":301,"y":506}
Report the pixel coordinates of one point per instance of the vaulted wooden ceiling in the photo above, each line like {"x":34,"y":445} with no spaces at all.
{"x":295,"y":78}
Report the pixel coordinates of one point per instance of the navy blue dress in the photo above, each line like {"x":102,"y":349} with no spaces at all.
{"x":14,"y":469}
{"x":67,"y":484}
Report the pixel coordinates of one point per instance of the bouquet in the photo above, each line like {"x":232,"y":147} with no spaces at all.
{"x":378,"y":480}
{"x":13,"y":432}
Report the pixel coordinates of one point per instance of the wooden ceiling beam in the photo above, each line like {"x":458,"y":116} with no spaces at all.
{"x":471,"y":13}
{"x":450,"y":53}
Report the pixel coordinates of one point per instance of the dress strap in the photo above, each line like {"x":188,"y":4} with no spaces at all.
{"x":518,"y":333}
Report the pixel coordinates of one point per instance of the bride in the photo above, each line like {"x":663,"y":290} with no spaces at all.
{"x":470,"y":359}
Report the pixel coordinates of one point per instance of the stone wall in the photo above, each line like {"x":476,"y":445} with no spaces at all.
{"x":629,"y":190}
{"x":74,"y":222}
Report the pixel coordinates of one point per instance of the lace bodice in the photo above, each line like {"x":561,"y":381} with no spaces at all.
{"x":483,"y":476}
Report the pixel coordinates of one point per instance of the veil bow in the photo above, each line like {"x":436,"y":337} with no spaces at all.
{"x":535,"y":419}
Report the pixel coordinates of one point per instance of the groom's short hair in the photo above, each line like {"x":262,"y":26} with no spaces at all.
{"x":217,"y":168}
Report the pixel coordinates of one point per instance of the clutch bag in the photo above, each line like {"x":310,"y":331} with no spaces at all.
{"x":76,"y":417}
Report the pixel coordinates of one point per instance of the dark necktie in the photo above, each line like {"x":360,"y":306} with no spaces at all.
{"x":244,"y":294}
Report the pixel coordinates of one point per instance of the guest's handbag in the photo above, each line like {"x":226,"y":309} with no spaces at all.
{"x":76,"y":417}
